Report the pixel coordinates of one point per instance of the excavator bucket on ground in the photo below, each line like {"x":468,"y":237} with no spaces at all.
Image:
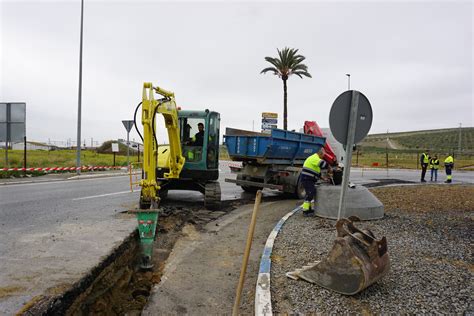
{"x":355,"y":261}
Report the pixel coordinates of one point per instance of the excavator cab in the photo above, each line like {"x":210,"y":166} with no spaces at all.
{"x":199,"y":138}
{"x":200,"y":142}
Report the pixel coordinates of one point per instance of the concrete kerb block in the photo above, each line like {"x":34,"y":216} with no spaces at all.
{"x":360,"y":202}
{"x":263,"y":299}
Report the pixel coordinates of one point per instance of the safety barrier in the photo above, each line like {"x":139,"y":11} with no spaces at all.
{"x":135,"y":177}
{"x":231,"y":164}
{"x":62,"y":168}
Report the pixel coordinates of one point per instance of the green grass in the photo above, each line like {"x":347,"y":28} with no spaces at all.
{"x":61,"y":158}
{"x":404,"y":159}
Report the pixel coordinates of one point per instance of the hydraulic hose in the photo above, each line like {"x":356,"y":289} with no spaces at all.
{"x":153,"y":120}
{"x":153,"y":128}
{"x":135,"y":120}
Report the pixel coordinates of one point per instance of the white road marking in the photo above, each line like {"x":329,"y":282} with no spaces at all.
{"x":44,"y":182}
{"x":101,"y":195}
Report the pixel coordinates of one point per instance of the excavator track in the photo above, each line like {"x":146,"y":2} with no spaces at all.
{"x":212,"y":195}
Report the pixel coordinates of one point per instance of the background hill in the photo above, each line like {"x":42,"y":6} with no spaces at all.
{"x":439,"y":140}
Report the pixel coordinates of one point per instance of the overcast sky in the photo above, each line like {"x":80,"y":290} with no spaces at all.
{"x":413,"y":60}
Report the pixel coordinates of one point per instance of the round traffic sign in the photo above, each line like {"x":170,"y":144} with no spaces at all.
{"x":340,"y":113}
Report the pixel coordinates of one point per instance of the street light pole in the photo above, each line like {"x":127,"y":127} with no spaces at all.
{"x":78,"y":144}
{"x":348,"y":81}
{"x":460,"y":128}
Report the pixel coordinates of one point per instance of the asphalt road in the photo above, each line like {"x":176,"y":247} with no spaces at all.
{"x":363,"y":176}
{"x":39,"y":206}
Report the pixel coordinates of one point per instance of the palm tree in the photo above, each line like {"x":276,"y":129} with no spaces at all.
{"x":288,"y":63}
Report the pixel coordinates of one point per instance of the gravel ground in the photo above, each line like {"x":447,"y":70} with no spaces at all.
{"x":430,"y":247}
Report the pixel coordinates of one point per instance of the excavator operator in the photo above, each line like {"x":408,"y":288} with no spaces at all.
{"x":198,"y":139}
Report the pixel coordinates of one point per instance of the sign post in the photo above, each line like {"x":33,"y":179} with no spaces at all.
{"x":350,"y":120}
{"x":12,"y":124}
{"x":269,"y":121}
{"x":138,"y":155}
{"x":115,"y":149}
{"x":128,"y":126}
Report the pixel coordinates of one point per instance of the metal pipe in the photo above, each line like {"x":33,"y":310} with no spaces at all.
{"x":128,"y":149}
{"x":24,"y":154}
{"x":79,"y":103}
{"x":8,"y":133}
{"x":348,"y":156}
{"x":460,"y":127}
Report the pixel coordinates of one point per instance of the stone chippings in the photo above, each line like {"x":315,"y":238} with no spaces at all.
{"x":431,"y":266}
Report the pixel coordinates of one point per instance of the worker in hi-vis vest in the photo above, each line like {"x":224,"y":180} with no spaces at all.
{"x":449,"y":165}
{"x":434,"y":166}
{"x":309,"y":176}
{"x":424,"y":161}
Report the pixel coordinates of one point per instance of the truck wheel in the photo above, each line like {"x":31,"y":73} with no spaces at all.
{"x":300,"y":192}
{"x":212,"y":195}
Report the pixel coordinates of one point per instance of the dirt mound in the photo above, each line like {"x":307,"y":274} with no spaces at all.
{"x":427,"y":198}
{"x":106,"y":148}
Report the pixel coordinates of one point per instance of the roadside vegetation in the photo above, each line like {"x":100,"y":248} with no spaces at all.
{"x":62,"y":158}
{"x":373,"y":152}
{"x":373,"y":157}
{"x":440,"y":139}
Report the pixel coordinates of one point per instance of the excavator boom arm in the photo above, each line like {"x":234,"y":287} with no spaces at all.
{"x":166,"y":107}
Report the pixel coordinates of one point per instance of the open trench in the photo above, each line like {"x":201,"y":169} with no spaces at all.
{"x":117,"y":286}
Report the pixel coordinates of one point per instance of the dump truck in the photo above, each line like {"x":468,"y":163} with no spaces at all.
{"x":272,"y":161}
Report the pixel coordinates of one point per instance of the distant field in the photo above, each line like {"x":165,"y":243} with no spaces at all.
{"x":438,"y":140}
{"x":371,"y":153}
{"x":61,"y":158}
{"x":403,"y":160}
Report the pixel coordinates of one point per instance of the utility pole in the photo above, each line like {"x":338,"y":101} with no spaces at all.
{"x":138,"y":147}
{"x":460,"y":129}
{"x":386,"y":154}
{"x":79,"y":105}
{"x":128,"y":124}
{"x":348,"y":81}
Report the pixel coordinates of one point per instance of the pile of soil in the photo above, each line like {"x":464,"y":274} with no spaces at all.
{"x":427,"y":198}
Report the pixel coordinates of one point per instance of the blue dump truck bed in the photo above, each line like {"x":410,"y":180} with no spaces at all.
{"x":281,"y":147}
